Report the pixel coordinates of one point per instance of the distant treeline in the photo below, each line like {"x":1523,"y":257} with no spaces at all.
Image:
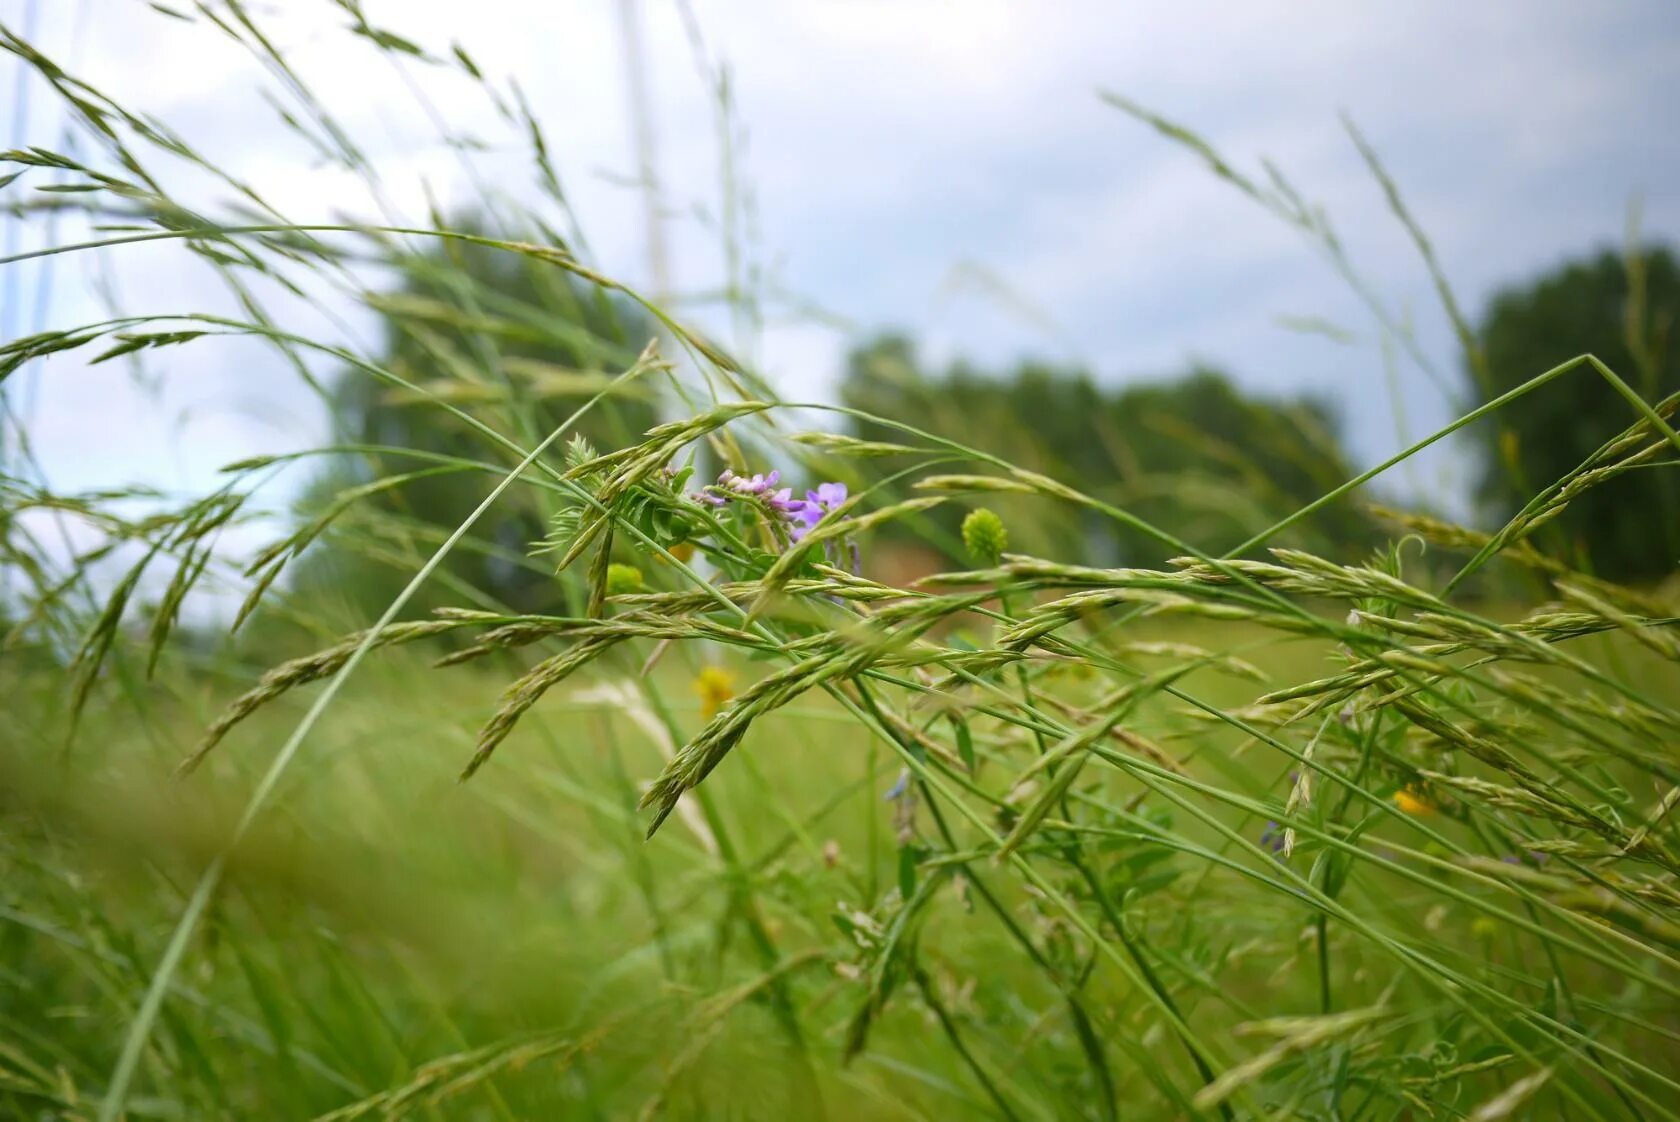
{"x":1195,"y":456}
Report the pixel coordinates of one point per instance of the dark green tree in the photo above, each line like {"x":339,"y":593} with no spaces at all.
{"x":517,"y":343}
{"x":1194,"y":456}
{"x":1624,"y":311}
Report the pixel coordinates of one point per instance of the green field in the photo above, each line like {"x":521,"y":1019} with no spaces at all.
{"x":387,"y":939}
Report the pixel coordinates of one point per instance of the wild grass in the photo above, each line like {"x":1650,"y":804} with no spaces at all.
{"x":1262,"y":834}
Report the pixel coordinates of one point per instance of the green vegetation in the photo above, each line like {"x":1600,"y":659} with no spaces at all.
{"x":463,"y":310}
{"x":1624,"y":310}
{"x":1194,"y":455}
{"x":532,"y":768}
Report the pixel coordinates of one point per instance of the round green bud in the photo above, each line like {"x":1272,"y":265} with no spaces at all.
{"x":622,"y":579}
{"x":984,"y":536}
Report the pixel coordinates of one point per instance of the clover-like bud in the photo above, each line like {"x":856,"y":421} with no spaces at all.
{"x":623,"y":579}
{"x":984,"y":536}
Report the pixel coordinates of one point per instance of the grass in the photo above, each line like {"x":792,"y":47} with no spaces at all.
{"x":1259,"y":835}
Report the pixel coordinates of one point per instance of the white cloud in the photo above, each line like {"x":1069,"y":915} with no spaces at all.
{"x":893,"y":142}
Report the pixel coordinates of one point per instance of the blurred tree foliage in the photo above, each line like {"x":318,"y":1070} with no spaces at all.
{"x":519,"y":345}
{"x":1624,"y":311}
{"x":1194,"y":456}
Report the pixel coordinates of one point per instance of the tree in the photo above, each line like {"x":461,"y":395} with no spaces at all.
{"x":1194,"y":456}
{"x":1623,"y":311}
{"x":520,"y":345}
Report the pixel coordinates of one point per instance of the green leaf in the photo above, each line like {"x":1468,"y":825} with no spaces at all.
{"x":965,"y":743}
{"x":909,"y":856}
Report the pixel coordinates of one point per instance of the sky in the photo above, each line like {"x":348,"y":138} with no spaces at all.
{"x":947,"y":168}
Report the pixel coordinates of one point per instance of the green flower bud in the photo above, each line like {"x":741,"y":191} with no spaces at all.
{"x":984,"y":536}
{"x":623,"y":579}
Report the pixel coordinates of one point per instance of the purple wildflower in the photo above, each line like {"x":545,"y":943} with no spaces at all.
{"x":783,"y":504}
{"x":731,"y":486}
{"x":828,"y":495}
{"x":1272,"y":837}
{"x":817,"y":503}
{"x":760,"y":484}
{"x":804,"y":515}
{"x":800,"y":515}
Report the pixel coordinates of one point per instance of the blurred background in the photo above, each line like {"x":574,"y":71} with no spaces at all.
{"x":800,"y":178}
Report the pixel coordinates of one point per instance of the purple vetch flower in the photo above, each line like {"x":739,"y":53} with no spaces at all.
{"x":804,"y":515}
{"x":828,"y":495}
{"x":794,"y":516}
{"x":817,"y":503}
{"x":1272,"y":837}
{"x":784,"y":504}
{"x":731,"y":486}
{"x":760,"y":484}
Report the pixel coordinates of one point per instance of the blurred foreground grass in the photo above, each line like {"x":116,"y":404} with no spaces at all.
{"x":389,"y":941}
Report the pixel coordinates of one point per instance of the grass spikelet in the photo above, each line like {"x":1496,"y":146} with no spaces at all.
{"x":839,"y":444}
{"x":1505,"y":1104}
{"x":529,"y":689}
{"x":1295,"y":1036}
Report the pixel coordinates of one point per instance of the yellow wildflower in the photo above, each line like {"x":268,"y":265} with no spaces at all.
{"x":682,"y":551}
{"x":1412,"y":803}
{"x":716,"y":686}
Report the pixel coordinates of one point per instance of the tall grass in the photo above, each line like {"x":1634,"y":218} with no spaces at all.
{"x":1259,"y":835}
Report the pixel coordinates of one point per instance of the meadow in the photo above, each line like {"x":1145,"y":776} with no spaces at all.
{"x":710,"y":804}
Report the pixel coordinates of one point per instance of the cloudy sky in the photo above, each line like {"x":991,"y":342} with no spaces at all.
{"x":941,"y":166}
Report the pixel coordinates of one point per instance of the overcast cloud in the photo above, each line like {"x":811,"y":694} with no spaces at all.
{"x":942,"y":167}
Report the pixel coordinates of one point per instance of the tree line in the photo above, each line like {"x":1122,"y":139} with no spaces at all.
{"x":1195,"y":455}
